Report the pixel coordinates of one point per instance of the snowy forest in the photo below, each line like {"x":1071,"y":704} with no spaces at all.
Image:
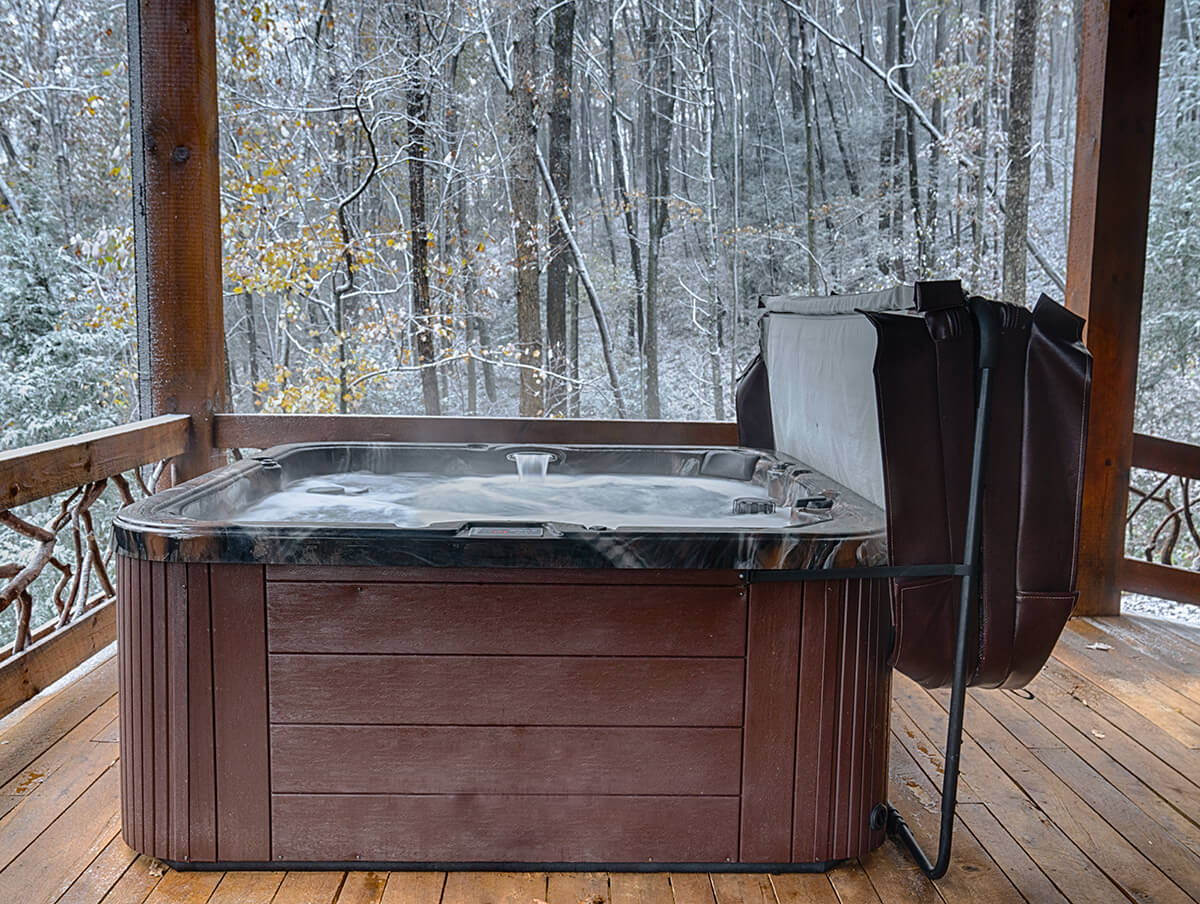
{"x":570,"y":209}
{"x":567,"y":209}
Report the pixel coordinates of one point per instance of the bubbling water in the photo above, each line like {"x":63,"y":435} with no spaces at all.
{"x":608,"y":500}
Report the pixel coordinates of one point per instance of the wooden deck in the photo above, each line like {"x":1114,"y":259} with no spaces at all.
{"x":1086,"y":788}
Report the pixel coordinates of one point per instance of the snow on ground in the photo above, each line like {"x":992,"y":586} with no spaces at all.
{"x":1139,"y":604}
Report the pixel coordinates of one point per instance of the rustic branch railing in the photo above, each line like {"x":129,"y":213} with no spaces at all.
{"x":83,"y":467}
{"x":1178,"y":463}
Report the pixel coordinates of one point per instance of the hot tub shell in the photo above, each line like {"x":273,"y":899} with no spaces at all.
{"x":299,"y":696}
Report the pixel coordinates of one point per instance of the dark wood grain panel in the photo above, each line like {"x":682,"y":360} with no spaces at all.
{"x":177,"y":708}
{"x":816,"y":719}
{"x":772,"y":666}
{"x":513,"y":619}
{"x":145,"y":699}
{"x":504,"y":828}
{"x":202,"y":781}
{"x":240,"y":712}
{"x":159,"y":737}
{"x":506,"y":690}
{"x":841,"y":750}
{"x":610,"y":577}
{"x":124,"y":691}
{"x":358,"y":759}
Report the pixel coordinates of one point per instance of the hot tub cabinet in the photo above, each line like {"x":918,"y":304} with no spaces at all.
{"x":286,"y":712}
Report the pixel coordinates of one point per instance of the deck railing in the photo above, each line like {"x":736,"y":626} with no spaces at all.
{"x":82,"y":467}
{"x":1178,"y":465}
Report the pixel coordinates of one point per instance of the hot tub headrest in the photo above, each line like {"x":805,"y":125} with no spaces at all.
{"x":922,"y":392}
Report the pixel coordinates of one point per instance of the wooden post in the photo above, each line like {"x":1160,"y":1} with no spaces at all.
{"x":1110,"y":203}
{"x":176,"y":216}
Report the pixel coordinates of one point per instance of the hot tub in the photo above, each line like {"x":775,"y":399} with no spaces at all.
{"x":413,"y":655}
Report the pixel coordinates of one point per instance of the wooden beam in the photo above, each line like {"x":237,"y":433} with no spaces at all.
{"x":260,"y":431}
{"x":40,"y":665}
{"x":1166,"y":456}
{"x":34,"y":472}
{"x":1164,"y":581}
{"x":176,"y":217}
{"x":1110,"y":203}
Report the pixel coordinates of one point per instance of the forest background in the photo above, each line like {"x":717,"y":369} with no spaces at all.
{"x":396,"y":177}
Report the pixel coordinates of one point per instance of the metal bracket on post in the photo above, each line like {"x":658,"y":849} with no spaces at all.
{"x":988,"y":326}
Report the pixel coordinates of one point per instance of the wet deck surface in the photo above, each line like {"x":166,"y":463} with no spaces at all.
{"x":1086,"y":788}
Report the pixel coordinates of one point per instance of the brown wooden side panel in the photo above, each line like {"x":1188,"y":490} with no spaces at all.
{"x":772,"y":667}
{"x":457,"y":759}
{"x":841,"y":753}
{"x":514,"y":619}
{"x":159,"y":736}
{"x":145,"y":700}
{"x":508,"y":690}
{"x":202,"y":781}
{"x":502,"y":828}
{"x":177,"y":709}
{"x":816,"y":718}
{"x":125,"y":693}
{"x":240,"y":709}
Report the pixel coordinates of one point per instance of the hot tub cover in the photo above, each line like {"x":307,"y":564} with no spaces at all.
{"x":924,"y":378}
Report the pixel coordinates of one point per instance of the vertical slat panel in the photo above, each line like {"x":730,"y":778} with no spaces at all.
{"x":202,"y":788}
{"x":846,"y":752}
{"x":882,"y":694}
{"x":238,"y":602}
{"x":123,"y":691}
{"x":162,"y":787}
{"x":177,"y":707}
{"x":841,"y":731}
{"x":146,"y":670}
{"x":136,"y":779}
{"x":815,"y":721}
{"x":769,"y":750}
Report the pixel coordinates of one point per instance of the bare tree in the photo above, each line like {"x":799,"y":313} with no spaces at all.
{"x":1020,"y":125}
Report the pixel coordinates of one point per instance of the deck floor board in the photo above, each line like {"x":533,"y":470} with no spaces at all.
{"x":1085,"y":789}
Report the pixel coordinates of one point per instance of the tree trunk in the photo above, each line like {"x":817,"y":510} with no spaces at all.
{"x":418,"y":242}
{"x":987,"y":51}
{"x":844,"y":151}
{"x":523,"y":132}
{"x":621,"y":186}
{"x":889,"y":149}
{"x":933,"y":190}
{"x":1047,"y":157}
{"x":1020,"y":109}
{"x":252,"y":349}
{"x":559,"y":159}
{"x":658,"y":187}
{"x":910,"y":141}
{"x":794,"y":86}
{"x":810,"y":222}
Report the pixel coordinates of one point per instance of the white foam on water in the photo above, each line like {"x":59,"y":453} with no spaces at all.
{"x":417,"y":500}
